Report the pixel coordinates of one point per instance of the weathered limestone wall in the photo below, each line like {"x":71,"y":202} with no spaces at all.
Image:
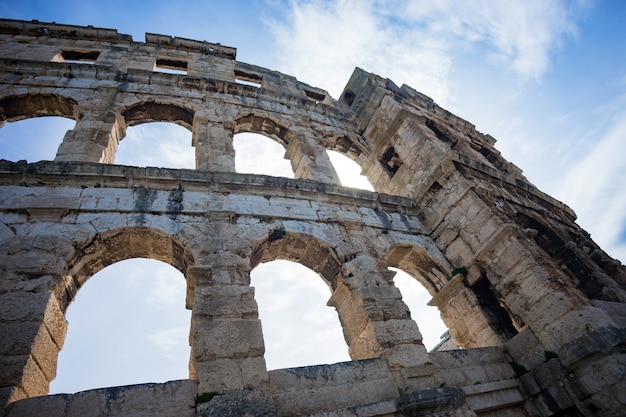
{"x":537,"y":306}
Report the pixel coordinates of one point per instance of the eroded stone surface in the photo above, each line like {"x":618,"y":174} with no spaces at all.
{"x":537,"y":305}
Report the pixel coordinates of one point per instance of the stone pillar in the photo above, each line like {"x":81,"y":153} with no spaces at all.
{"x":97,"y":133}
{"x":214,"y":144}
{"x":94,"y":138}
{"x":309,"y":160}
{"x":540,"y":295}
{"x":32,"y":329}
{"x":461,"y":311}
{"x":377,"y":323}
{"x":226,"y":339}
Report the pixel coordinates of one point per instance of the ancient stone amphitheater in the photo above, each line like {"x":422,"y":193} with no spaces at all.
{"x":537,"y":308}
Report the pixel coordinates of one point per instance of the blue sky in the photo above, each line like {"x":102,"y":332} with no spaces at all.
{"x":547,"y":79}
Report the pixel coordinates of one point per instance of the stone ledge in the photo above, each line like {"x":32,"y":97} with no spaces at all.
{"x":173,"y":398}
{"x":493,"y":395}
{"x":105,"y":175}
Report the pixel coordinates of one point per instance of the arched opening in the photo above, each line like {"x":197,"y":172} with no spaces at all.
{"x":157,"y":144}
{"x":14,"y":108}
{"x":36,"y":126}
{"x":312,"y":334}
{"x":258,"y":154}
{"x":349,"y":172}
{"x":416,"y":297}
{"x":35,"y":139}
{"x":322,"y":272}
{"x":158,"y":112}
{"x":420,"y":276}
{"x":127,"y":325}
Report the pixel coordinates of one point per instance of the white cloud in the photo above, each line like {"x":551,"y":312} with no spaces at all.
{"x":415,"y":42}
{"x":298,"y":328}
{"x":158,"y":144}
{"x":595,"y":187}
{"x":170,"y":342}
{"x":167,"y":286}
{"x":257,"y":154}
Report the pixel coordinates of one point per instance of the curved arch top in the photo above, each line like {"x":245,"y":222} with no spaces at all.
{"x":25,"y":106}
{"x":119,"y":244}
{"x":150,"y":111}
{"x":264,"y":125}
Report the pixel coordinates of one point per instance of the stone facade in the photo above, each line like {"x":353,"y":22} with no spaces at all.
{"x":536,"y":306}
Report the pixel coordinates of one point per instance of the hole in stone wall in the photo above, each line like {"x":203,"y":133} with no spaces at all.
{"x":127,"y":325}
{"x":80,"y":57}
{"x":348,"y":97}
{"x":391,"y":161}
{"x":171,"y":66}
{"x":499,"y":317}
{"x":248,"y":78}
{"x":416,"y":298}
{"x":258,"y":154}
{"x":349,"y":172}
{"x":299,"y":329}
{"x":314,"y":95}
{"x":158,"y":144}
{"x":35,"y":139}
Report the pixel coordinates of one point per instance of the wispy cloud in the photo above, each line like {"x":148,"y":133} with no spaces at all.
{"x":170,"y":342}
{"x":594,"y":185}
{"x":158,"y":145}
{"x":415,"y":42}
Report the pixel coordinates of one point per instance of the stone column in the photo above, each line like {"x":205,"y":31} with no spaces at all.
{"x":97,"y":133}
{"x":32,"y":320}
{"x":469,"y":325}
{"x":33,"y":330}
{"x":226,"y":339}
{"x":309,"y":160}
{"x":94,"y":138}
{"x":377,"y":323}
{"x":540,"y":295}
{"x":214,"y":144}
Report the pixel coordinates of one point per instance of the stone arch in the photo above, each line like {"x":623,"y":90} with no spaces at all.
{"x":127,"y":325}
{"x":152,"y":111}
{"x":125,"y":243}
{"x":420,"y":264}
{"x":299,"y":244}
{"x":349,"y":144}
{"x":263,"y":125}
{"x":305,"y":249}
{"x":115,"y":245}
{"x":45,"y":332}
{"x":19,"y":107}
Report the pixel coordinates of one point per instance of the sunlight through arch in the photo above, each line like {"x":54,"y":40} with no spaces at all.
{"x":299,"y":328}
{"x":34,"y":139}
{"x":416,"y":297}
{"x":156,"y":144}
{"x":348,"y":171}
{"x":258,"y":154}
{"x":127,"y":325}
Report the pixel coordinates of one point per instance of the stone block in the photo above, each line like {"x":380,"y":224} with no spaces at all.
{"x":393,"y":332}
{"x":228,"y":375}
{"x":407,"y":356}
{"x":22,"y":306}
{"x":19,"y":337}
{"x":54,"y":406}
{"x":251,"y":403}
{"x":493,"y":395}
{"x":33,"y":383}
{"x":226,"y":301}
{"x":12,"y":368}
{"x":227,"y":338}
